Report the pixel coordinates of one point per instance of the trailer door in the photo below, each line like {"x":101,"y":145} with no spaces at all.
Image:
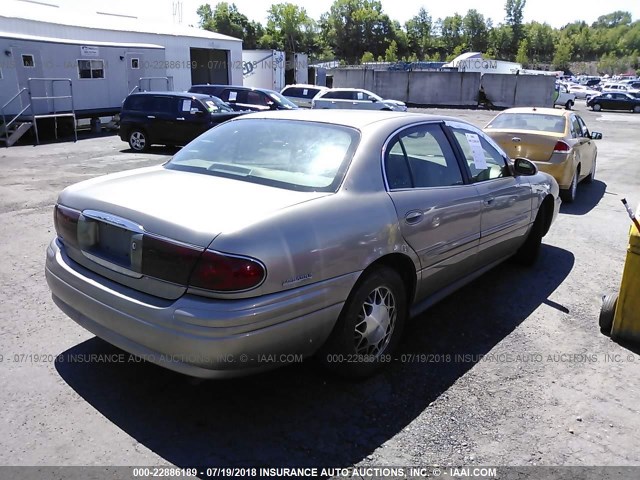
{"x":134,"y":70}
{"x":28,"y":63}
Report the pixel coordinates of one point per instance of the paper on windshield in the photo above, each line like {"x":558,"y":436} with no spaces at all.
{"x":476,"y":149}
{"x":186,"y":105}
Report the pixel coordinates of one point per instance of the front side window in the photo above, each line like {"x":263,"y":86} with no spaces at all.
{"x":421,"y":157}
{"x":295,"y":155}
{"x":485,"y":162}
{"x":90,"y":68}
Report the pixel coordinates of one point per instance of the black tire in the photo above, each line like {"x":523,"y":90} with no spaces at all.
{"x":636,"y":109}
{"x":607,"y":313}
{"x":592,"y":174}
{"x":568,"y":105}
{"x":529,"y":252}
{"x":138,"y":140}
{"x":569,"y":195}
{"x":348,"y":352}
{"x":596,"y":107}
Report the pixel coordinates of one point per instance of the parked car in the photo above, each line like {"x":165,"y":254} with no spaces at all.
{"x":355,"y":98}
{"x":564,"y":98}
{"x":582,"y":91}
{"x":301,"y":94}
{"x":247,"y":98}
{"x":169,"y":118}
{"x":558,"y":142}
{"x":614,"y":101}
{"x":279,"y":235}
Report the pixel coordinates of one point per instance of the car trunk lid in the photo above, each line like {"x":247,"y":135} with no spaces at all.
{"x":536,"y":146}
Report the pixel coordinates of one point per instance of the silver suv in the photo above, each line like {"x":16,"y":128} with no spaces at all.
{"x":302,"y":95}
{"x":356,"y":98}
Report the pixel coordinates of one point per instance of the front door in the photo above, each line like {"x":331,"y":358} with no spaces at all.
{"x":506,"y":199}
{"x":438,"y":214}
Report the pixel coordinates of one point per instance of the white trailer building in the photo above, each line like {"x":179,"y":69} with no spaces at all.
{"x":54,"y":61}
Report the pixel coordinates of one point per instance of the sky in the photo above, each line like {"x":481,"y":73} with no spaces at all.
{"x":555,"y":12}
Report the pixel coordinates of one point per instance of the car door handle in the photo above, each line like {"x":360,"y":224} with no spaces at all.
{"x":151,"y":116}
{"x":516,"y":139}
{"x":488,"y":201}
{"x":413,"y":217}
{"x":180,"y":118}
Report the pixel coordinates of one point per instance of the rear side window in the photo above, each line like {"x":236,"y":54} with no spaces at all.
{"x":300,"y":92}
{"x":163,"y":104}
{"x":139,"y":103}
{"x":340,"y":94}
{"x":421,"y":157}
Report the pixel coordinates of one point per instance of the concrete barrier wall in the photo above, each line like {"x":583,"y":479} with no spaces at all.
{"x":505,"y":91}
{"x":455,"y":89}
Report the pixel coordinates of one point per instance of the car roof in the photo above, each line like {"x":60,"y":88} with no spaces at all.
{"x":236,"y":87}
{"x":349,"y":118}
{"x":306,"y":85}
{"x":200,"y":96}
{"x":537,"y":110}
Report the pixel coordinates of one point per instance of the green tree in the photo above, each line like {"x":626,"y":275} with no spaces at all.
{"x":475,"y":32}
{"x":418,"y":30}
{"x":227,"y":20}
{"x":562,"y":56}
{"x":523,"y":53}
{"x":367,"y":57}
{"x":451,"y":34}
{"x":291,"y":28}
{"x":352,"y":27}
{"x":514,"y":16}
{"x":391,"y":53}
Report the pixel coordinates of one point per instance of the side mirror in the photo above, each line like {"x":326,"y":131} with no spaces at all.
{"x":273,"y":106}
{"x":596,"y":135}
{"x":522,"y":166}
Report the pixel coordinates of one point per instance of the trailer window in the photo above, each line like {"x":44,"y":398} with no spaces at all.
{"x":135,"y":63}
{"x":91,"y":68}
{"x":28,"y":61}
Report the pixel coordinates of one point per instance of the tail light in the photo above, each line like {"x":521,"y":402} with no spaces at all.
{"x":168,"y":260}
{"x":226,"y":273}
{"x":561,"y":147}
{"x":66,"y":224}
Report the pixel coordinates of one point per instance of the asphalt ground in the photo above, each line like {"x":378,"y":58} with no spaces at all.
{"x":510,"y":370}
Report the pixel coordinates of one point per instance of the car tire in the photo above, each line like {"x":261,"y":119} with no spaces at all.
{"x":529,"y":252}
{"x":138,"y":140}
{"x":596,"y":107}
{"x":636,"y":109}
{"x":592,"y":174}
{"x":568,"y":105}
{"x":607,"y":313}
{"x":569,"y":195}
{"x":369,"y":326}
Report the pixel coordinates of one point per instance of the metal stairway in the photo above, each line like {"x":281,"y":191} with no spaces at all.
{"x":16,"y":125}
{"x":13,"y":133}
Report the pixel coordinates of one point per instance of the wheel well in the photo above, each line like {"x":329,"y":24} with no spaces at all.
{"x":547,"y":208}
{"x":403,"y":266}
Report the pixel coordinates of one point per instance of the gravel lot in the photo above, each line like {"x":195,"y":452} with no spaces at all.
{"x":550,"y":390}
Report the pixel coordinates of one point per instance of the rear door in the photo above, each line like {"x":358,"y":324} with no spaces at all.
{"x":438,"y":214}
{"x":506,"y":199}
{"x":28,"y":64}
{"x":163,"y":120}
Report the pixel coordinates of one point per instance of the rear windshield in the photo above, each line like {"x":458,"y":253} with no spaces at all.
{"x":528,"y":121}
{"x":295,"y":155}
{"x":300,"y":92}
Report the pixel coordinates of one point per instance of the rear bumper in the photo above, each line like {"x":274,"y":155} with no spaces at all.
{"x":562,"y":171}
{"x":198,"y":336}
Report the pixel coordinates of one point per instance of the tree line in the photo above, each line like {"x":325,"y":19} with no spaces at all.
{"x":356,"y":31}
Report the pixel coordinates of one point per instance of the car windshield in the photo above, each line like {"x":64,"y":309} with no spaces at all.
{"x":528,"y":121}
{"x":295,"y":155}
{"x":215,"y":105}
{"x":282,"y":100}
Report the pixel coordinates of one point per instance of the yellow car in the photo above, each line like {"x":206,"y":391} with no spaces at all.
{"x":557,"y":141}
